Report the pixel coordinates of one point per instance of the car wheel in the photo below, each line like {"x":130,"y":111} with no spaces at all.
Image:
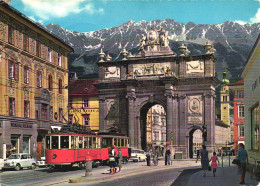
{"x":17,"y":167}
{"x":139,"y":159}
{"x":33,"y":166}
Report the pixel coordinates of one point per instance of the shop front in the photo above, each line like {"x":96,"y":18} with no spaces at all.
{"x":17,"y":136}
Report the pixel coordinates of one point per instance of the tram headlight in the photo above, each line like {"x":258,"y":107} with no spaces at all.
{"x":54,"y":156}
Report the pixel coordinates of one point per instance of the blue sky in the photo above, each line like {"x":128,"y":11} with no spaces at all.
{"x":86,"y":15}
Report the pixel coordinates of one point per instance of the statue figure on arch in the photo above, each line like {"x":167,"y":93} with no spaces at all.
{"x":163,"y":37}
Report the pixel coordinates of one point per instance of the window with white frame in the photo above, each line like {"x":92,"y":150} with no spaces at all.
{"x":11,"y":67}
{"x":86,"y":120}
{"x":85,"y":103}
{"x":26,"y":74}
{"x":59,"y":60}
{"x":241,"y":111}
{"x":241,"y":132}
{"x":240,"y":94}
{"x":50,"y":55}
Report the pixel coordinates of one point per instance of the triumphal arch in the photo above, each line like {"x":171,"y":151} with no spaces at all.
{"x":184,"y":85}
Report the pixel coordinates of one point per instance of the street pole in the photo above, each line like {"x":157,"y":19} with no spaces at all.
{"x":171,"y":147}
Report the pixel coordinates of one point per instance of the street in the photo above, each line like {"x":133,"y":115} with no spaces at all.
{"x":133,"y":173}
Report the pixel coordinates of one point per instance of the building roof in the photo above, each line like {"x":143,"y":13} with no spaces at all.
{"x":224,"y":81}
{"x":82,"y":87}
{"x":38,"y":25}
{"x":240,"y":82}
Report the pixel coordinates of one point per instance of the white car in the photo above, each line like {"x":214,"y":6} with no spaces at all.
{"x":138,"y":155}
{"x":1,"y":163}
{"x":18,"y":161}
{"x":41,"y":162}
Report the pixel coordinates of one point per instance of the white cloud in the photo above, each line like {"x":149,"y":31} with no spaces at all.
{"x":60,"y":8}
{"x":256,"y":18}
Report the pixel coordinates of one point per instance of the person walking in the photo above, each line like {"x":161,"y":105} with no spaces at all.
{"x":243,"y":158}
{"x":167,"y":156}
{"x":214,"y":165}
{"x":204,"y":159}
{"x":148,"y":158}
{"x":112,"y":160}
{"x":120,"y":159}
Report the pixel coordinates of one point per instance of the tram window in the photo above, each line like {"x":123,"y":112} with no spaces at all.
{"x":85,"y":142}
{"x":54,"y":142}
{"x":115,"y":142}
{"x":64,"y":141}
{"x":80,"y":142}
{"x":90,"y":142}
{"x":73,"y":142}
{"x":94,"y":144}
{"x":48,"y":142}
{"x":122,"y":143}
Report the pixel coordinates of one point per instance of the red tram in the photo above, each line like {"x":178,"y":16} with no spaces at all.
{"x":74,"y":149}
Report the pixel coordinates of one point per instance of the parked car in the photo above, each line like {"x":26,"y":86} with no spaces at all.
{"x":20,"y":160}
{"x":138,"y":155}
{"x":41,"y":162}
{"x":1,"y":163}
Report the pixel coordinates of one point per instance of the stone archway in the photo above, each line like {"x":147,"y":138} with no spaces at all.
{"x":184,"y":86}
{"x":190,"y":135}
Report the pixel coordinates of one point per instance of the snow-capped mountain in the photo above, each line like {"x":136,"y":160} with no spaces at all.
{"x":232,"y":41}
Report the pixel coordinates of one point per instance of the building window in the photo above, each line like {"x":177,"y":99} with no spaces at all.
{"x":86,"y":120}
{"x":240,"y":111}
{"x":44,"y":111}
{"x":85,"y":103}
{"x":59,"y":60}
{"x":26,"y":146}
{"x":51,"y":113}
{"x":11,"y":69}
{"x":26,"y":109}
{"x":11,"y":106}
{"x":37,"y":114}
{"x":241,"y":132}
{"x":26,"y":42}
{"x":224,"y":98}
{"x":49,"y":54}
{"x":26,"y":75}
{"x":60,"y":114}
{"x":50,"y":82}
{"x":70,"y":119}
{"x":60,"y":86}
{"x":39,"y":79}
{"x":11,"y":34}
{"x":38,"y":48}
{"x":15,"y":144}
{"x":255,"y":128}
{"x":240,"y":94}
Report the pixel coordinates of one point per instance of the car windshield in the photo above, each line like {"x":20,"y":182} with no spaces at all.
{"x":135,"y":151}
{"x":13,"y":156}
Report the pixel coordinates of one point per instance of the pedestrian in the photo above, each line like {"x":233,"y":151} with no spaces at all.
{"x":120,"y":159}
{"x":243,"y":158}
{"x":204,"y":160}
{"x":214,"y":165}
{"x":167,"y":156}
{"x":112,"y":160}
{"x":148,"y":158}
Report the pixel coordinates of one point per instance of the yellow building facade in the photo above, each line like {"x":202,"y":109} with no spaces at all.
{"x":33,"y":81}
{"x":84,"y":103}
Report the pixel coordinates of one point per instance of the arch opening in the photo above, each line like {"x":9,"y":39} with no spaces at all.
{"x":195,"y":142}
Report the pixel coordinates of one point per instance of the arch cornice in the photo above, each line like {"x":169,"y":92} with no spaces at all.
{"x":193,"y":127}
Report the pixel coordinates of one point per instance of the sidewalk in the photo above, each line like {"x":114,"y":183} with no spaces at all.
{"x":102,"y":174}
{"x":226,"y":176}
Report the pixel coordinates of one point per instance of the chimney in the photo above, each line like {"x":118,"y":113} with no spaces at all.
{"x":7,"y":1}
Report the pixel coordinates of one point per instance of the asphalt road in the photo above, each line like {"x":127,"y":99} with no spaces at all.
{"x":158,"y":178}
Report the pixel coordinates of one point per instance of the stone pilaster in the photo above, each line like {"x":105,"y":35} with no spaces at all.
{"x":131,"y":117}
{"x":102,"y":106}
